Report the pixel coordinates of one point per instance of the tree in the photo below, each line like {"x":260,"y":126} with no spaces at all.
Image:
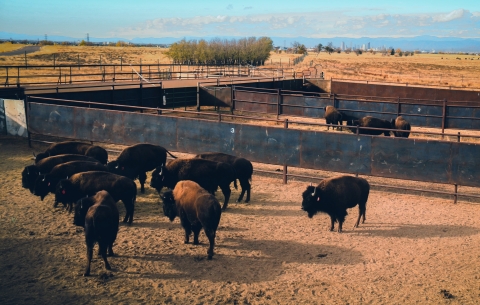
{"x":329,"y":49}
{"x":319,"y":48}
{"x":392,"y":52}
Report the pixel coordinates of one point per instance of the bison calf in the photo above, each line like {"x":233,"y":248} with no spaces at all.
{"x":196,"y":208}
{"x":99,"y":216}
{"x":334,"y":196}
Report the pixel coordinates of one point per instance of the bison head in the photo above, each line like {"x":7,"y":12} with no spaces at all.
{"x":311,"y":199}
{"x":29,"y":175}
{"x":118,"y":169}
{"x":158,"y":178}
{"x":43,"y":185}
{"x":98,"y":153}
{"x":169,"y":206}
{"x":81,"y":209}
{"x":64,"y":192}
{"x":41,"y":156}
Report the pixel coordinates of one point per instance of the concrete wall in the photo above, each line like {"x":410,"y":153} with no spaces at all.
{"x":15,"y":119}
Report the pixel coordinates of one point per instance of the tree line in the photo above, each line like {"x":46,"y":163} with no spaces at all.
{"x":251,"y":51}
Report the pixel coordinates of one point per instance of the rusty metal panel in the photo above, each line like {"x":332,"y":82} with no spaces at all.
{"x":256,"y":101}
{"x":292,"y":105}
{"x":51,"y":120}
{"x":319,"y":103}
{"x":335,"y":152}
{"x":418,"y":112}
{"x":466,"y":164}
{"x":216,"y":96}
{"x":203,"y":136}
{"x":411,"y":159}
{"x":268,"y":144}
{"x":368,"y":109}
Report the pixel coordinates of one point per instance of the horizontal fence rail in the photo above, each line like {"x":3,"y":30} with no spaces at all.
{"x":425,"y":113}
{"x":27,"y":75}
{"x":412,"y":159}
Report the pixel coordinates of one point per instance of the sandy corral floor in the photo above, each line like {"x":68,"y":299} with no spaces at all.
{"x":412,"y":250}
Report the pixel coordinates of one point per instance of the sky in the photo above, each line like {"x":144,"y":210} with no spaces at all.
{"x":214,"y":18}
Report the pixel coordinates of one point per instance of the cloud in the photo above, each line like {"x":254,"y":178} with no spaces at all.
{"x":461,"y":23}
{"x":248,"y":7}
{"x":456,"y":14}
{"x":230,"y":7}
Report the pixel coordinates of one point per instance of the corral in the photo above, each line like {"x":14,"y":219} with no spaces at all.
{"x":411,"y":249}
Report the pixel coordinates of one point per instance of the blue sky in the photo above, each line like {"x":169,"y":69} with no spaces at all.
{"x":313,"y":19}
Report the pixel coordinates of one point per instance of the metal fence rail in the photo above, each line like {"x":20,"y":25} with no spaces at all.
{"x":412,"y":159}
{"x":427,"y":113}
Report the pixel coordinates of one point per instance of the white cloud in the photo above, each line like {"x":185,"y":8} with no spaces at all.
{"x":311,"y":24}
{"x":456,"y":14}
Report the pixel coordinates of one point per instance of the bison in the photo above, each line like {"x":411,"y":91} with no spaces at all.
{"x":70,"y":190}
{"x":372,"y":122}
{"x":74,"y":147}
{"x":45,"y":184}
{"x":333,"y":116}
{"x":243,"y":170}
{"x":334,"y":196}
{"x":209,"y":174}
{"x":401,"y":124}
{"x":31,"y":172}
{"x":134,"y":161}
{"x":99,"y":216}
{"x":196,"y":208}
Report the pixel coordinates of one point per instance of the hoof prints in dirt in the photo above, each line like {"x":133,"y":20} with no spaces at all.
{"x":446,"y":294}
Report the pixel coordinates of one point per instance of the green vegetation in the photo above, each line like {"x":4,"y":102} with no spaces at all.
{"x":217,"y":51}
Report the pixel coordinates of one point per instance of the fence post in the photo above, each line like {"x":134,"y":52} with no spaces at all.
{"x":455,"y":196}
{"x":279,"y":97}
{"x":198,"y":96}
{"x":444,"y":112}
{"x":26,"y":59}
{"x":25,"y":103}
{"x":141,"y":96}
{"x":285,"y":173}
{"x":232,"y":98}
{"x":398,"y":106}
{"x":70,"y":74}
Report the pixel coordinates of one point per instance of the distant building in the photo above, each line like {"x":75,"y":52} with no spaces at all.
{"x":342,"y":46}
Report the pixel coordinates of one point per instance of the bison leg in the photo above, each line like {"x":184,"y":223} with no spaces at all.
{"x":129,"y":207}
{"x":142,"y":177}
{"x":341,"y":218}
{"x":89,"y":259}
{"x":245,"y":187}
{"x":226,"y":192}
{"x":211,"y":238}
{"x":103,"y":251}
{"x":332,"y":226}
{"x":196,"y":231}
{"x":361,"y":212}
{"x":110,"y":250}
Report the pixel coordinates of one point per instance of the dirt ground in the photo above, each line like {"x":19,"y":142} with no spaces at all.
{"x":411,"y":250}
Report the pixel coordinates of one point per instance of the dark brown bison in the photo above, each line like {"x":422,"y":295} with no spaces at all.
{"x":69,"y":191}
{"x":196,"y":208}
{"x":243,"y":170}
{"x":334,"y":196}
{"x":74,"y":147}
{"x":401,"y":124}
{"x":136,"y":160}
{"x":333,"y":116}
{"x":209,"y":174}
{"x":99,"y":216}
{"x":44,"y":166}
{"x":371,"y":122}
{"x":45,"y":184}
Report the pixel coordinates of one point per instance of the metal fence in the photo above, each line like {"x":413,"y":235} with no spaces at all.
{"x":413,"y":159}
{"x":427,"y":113}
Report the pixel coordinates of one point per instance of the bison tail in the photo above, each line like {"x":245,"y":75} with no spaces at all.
{"x":235,"y":184}
{"x":171,"y":155}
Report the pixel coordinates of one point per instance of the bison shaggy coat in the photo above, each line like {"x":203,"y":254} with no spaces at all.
{"x":334,"y":196}
{"x":369,"y":121}
{"x":401,"y":124}
{"x":74,"y":147}
{"x":136,"y":160}
{"x":333,"y":116}
{"x":46,"y":183}
{"x":208,"y":174}
{"x":196,"y":208}
{"x":243,"y":170}
{"x":70,"y":190}
{"x":44,"y":166}
{"x":99,"y":216}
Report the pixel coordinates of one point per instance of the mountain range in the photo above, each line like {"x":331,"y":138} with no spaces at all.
{"x":423,"y":43}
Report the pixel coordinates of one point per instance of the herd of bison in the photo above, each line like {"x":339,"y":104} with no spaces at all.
{"x":83,"y":181}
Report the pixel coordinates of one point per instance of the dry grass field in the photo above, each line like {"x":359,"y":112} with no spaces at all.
{"x":422,"y":69}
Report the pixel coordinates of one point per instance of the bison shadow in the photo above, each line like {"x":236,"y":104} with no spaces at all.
{"x":413,"y":231}
{"x":247,"y":261}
